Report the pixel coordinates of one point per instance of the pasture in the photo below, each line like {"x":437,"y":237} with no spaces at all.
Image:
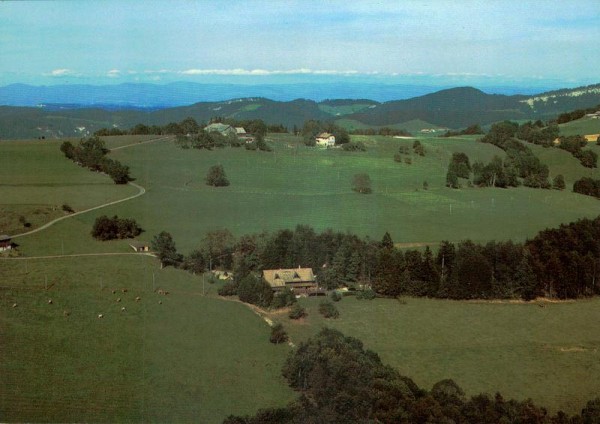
{"x":550,"y":354}
{"x":199,"y":358}
{"x":190,"y":359}
{"x":295,"y":184}
{"x":581,"y":126}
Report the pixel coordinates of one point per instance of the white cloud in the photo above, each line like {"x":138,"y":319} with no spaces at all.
{"x":239,"y":71}
{"x":113,"y":73}
{"x":63,"y":72}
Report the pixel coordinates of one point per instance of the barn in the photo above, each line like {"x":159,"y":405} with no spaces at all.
{"x":5,"y":243}
{"x":139,"y":246}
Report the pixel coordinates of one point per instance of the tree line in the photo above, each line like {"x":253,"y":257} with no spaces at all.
{"x":575,"y":114}
{"x":339,"y":381}
{"x":91,"y":153}
{"x":559,"y":263}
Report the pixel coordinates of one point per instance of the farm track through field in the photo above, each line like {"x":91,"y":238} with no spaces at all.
{"x":141,"y":191}
{"x":75,"y":255}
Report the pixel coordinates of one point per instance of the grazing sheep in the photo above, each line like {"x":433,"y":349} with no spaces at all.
{"x":118,"y":299}
{"x":160,"y":302}
{"x":137,"y":299}
{"x":124,"y":290}
{"x":123,"y":309}
{"x":114,"y":291}
{"x":100,"y":315}
{"x":49,"y":301}
{"x":14,"y":305}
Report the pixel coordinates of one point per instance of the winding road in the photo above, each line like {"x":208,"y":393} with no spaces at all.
{"x":141,"y":191}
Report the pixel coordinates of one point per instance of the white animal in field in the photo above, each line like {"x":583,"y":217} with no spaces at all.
{"x":100,"y":316}
{"x":49,"y":301}
{"x":123,"y":309}
{"x":118,"y":299}
{"x":14,"y":305}
{"x":137,"y":299}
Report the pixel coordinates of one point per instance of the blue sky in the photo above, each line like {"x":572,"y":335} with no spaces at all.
{"x":511,"y":42}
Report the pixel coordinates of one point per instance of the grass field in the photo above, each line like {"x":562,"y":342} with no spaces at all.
{"x":198,"y":358}
{"x":299,"y":185}
{"x":581,"y":126}
{"x":189,"y":359}
{"x":551,"y":354}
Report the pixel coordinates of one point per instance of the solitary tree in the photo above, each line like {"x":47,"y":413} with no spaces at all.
{"x":216,"y":176}
{"x":361,"y":183}
{"x":558,"y":183}
{"x":165,"y":249}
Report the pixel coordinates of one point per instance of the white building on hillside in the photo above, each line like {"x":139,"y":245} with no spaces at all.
{"x":325,"y":140}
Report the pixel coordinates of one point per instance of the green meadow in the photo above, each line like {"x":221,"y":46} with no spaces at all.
{"x":198,"y":358}
{"x":192,"y":358}
{"x":550,"y":354}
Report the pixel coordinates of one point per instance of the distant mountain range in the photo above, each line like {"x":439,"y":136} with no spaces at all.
{"x":450,"y":108}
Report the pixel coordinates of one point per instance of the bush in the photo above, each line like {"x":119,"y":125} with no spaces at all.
{"x":216,"y":177}
{"x":297,"y":312}
{"x":361,"y":183}
{"x":328,"y":309}
{"x":67,"y":208}
{"x":368,"y":294}
{"x":278,"y":334}
{"x":228,"y":289}
{"x":255,"y":291}
{"x":284,"y":298}
{"x":335,"y":296}
{"x":354,"y":147}
{"x":106,"y":228}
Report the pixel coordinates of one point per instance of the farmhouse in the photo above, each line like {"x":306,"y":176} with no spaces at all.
{"x":243,"y":135}
{"x":5,"y":243}
{"x":139,"y":246}
{"x":223,"y":129}
{"x":325,"y":140}
{"x":591,"y":138}
{"x":298,"y":279}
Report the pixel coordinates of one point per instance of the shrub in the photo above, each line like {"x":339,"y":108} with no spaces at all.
{"x":106,"y":228}
{"x":297,"y":312}
{"x":216,"y":177}
{"x":278,"y":334}
{"x":284,"y":298}
{"x":368,"y":294}
{"x":255,"y":291}
{"x":335,"y":296}
{"x":328,"y":309}
{"x":67,"y":208}
{"x":361,"y":183}
{"x":228,"y":289}
{"x":408,"y":160}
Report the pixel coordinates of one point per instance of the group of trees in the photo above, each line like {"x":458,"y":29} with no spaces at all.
{"x":563,"y":262}
{"x":459,"y":167}
{"x":91,"y":153}
{"x":520,"y":166}
{"x":385,"y":131}
{"x":190,"y":126}
{"x":470,"y":130}
{"x":574,"y":115}
{"x":339,"y":381}
{"x":106,"y":228}
{"x":587,"y":186}
{"x":573,"y":144}
{"x":312,"y":128}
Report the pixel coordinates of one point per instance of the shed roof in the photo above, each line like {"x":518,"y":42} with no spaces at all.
{"x":324,"y":135}
{"x":136,"y":243}
{"x":4,"y":237}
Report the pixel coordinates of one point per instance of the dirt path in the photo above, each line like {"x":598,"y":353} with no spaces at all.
{"x":76,"y":255}
{"x":141,"y":142}
{"x":141,"y":191}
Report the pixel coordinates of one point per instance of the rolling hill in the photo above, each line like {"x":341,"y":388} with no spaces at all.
{"x":451,"y":108}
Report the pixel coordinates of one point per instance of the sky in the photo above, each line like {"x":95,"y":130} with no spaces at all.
{"x":260,"y":42}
